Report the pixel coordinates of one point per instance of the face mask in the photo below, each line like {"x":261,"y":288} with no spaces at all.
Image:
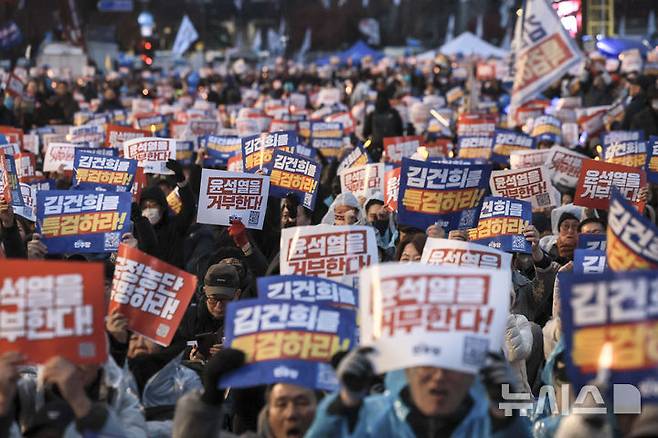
{"x":381,"y":226}
{"x":152,"y":214}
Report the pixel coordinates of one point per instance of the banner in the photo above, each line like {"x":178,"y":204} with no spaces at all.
{"x":507,"y":142}
{"x":392,"y":189}
{"x":543,"y":52}
{"x":231,"y":195}
{"x":151,"y":294}
{"x":82,"y":221}
{"x":257,"y":150}
{"x":475,"y":147}
{"x":52,"y":309}
{"x":9,"y":185}
{"x":501,"y":224}
{"x":632,"y":238}
{"x":327,"y":251}
{"x":358,"y":157}
{"x":363,"y":181}
{"x":444,"y":252}
{"x":115,"y":135}
{"x":222,"y":147}
{"x":151,"y":153}
{"x":448,"y":195}
{"x":292,"y":173}
{"x":287,"y":342}
{"x":652,"y":160}
{"x":439,"y":316}
{"x":57,"y":155}
{"x":397,"y":148}
{"x":592,"y":241}
{"x":589,"y":261}
{"x":523,"y":159}
{"x":597,"y":178}
{"x":532,"y":185}
{"x":564,"y":166}
{"x":91,"y":172}
{"x":611,"y":308}
{"x":306,"y":289}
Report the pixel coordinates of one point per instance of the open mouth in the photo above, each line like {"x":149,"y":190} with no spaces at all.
{"x":439,"y":394}
{"x":294,"y":432}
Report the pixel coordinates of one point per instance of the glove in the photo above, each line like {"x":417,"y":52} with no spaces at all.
{"x":238,"y":232}
{"x":355,"y":372}
{"x":495,"y":373}
{"x":226,"y":360}
{"x":175,"y":167}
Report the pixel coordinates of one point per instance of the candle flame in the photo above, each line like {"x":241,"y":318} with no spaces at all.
{"x":605,"y":356}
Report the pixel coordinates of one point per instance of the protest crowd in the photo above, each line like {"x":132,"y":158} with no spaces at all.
{"x":394,"y":247}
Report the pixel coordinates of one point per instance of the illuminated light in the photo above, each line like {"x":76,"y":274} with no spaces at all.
{"x":367,"y":144}
{"x":423,"y":152}
{"x":519,"y":12}
{"x":451,"y":154}
{"x":148,"y":61}
{"x":145,"y":92}
{"x":597,"y":158}
{"x":148,"y":45}
{"x":152,"y":129}
{"x":348,"y":90}
{"x":599,"y":148}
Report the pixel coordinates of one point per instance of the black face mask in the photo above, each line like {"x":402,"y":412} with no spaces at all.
{"x":381,"y":226}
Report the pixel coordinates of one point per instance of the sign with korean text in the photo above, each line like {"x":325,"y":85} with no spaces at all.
{"x":94,"y":134}
{"x":392,"y":189}
{"x":59,"y":155}
{"x":151,"y":153}
{"x":364,"y":180}
{"x":222,"y":147}
{"x":564,"y":166}
{"x":92,"y":171}
{"x":475,"y":124}
{"x":327,"y":251}
{"x":185,"y":152}
{"x":439,"y":316}
{"x":501,"y":224}
{"x":231,"y":195}
{"x":475,"y":147}
{"x":547,"y":128}
{"x":589,"y":261}
{"x":597,"y":179}
{"x":50,"y":308}
{"x":442,"y":252}
{"x":523,"y":159}
{"x":632,"y":153}
{"x":257,"y":150}
{"x":652,"y":159}
{"x":115,"y":135}
{"x":614,"y":308}
{"x":307,"y":289}
{"x":397,"y":148}
{"x":82,"y":221}
{"x":329,"y":147}
{"x":152,"y":294}
{"x":532,"y":185}
{"x":592,"y":241}
{"x":358,"y":157}
{"x":26,"y":163}
{"x":632,"y":238}
{"x":292,"y":173}
{"x":448,"y":195}
{"x":9,"y":184}
{"x":202,"y":127}
{"x":154,"y":123}
{"x":506,"y":142}
{"x":287,"y":342}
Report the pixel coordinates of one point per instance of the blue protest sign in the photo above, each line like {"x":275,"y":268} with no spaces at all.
{"x":506,"y":141}
{"x":589,"y":261}
{"x":93,"y":172}
{"x":292,"y":173}
{"x":11,"y":190}
{"x":300,"y":338}
{"x":220,"y":148}
{"x":82,"y":221}
{"x":185,"y":152}
{"x":501,"y":224}
{"x":307,"y":289}
{"x":651,"y":164}
{"x":592,"y":241}
{"x":257,"y":150}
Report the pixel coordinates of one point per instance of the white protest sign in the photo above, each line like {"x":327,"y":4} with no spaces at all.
{"x":363,"y":180}
{"x":151,"y":153}
{"x":532,"y":184}
{"x":564,"y":165}
{"x":59,"y":154}
{"x":447,"y":252}
{"x":232,"y":195}
{"x":534,"y":157}
{"x":328,"y":251}
{"x":439,"y":316}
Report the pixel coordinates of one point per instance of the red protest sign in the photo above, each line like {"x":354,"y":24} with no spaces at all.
{"x":50,"y":308}
{"x":392,"y":187}
{"x":598,"y":177}
{"x":397,"y":148}
{"x":25,"y":166}
{"x":13,"y":135}
{"x":115,"y":135}
{"x":152,"y":294}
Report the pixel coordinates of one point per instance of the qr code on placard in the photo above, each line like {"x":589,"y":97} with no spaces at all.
{"x":254,"y":215}
{"x":475,"y":350}
{"x":519,"y":242}
{"x":112,"y":241}
{"x":467,"y":219}
{"x":543,"y":200}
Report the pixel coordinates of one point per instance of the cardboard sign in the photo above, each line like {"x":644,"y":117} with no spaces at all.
{"x":448,"y":195}
{"x":82,"y":221}
{"x":222,"y":147}
{"x":59,"y":154}
{"x":257,"y":150}
{"x":364,"y":180}
{"x":230,"y":195}
{"x":307,"y":290}
{"x":107,"y":173}
{"x":532,"y":185}
{"x":292,"y":173}
{"x":589,"y":261}
{"x":302,"y":338}
{"x":501,"y":224}
{"x":412,"y":312}
{"x":328,"y":251}
{"x":115,"y":135}
{"x":652,"y":160}
{"x":506,"y":142}
{"x":152,"y":294}
{"x":52,"y":309}
{"x":397,"y":148}
{"x":392,"y":189}
{"x":632,"y":238}
{"x":615,"y":308}
{"x":597,"y":178}
{"x":523,"y":159}
{"x":358,"y":157}
{"x":151,"y":153}
{"x":564,"y":166}
{"x":475,"y":147}
{"x":449,"y":252}
{"x":9,"y":184}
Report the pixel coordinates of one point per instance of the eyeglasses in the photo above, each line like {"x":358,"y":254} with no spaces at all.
{"x":213,"y":300}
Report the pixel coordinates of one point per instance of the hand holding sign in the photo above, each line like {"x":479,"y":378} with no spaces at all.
{"x":9,"y":375}
{"x":70,"y":381}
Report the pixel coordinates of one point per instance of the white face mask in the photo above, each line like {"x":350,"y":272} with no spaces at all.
{"x":152,"y":214}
